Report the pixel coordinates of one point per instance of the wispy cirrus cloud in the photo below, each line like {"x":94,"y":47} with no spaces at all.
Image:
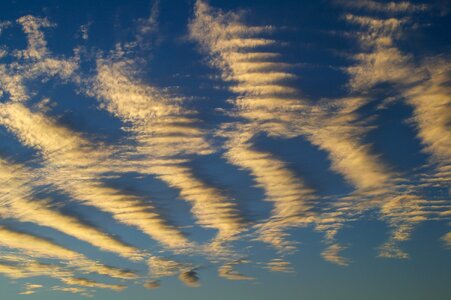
{"x":166,"y":133}
{"x":34,"y":246}
{"x":387,"y":7}
{"x":17,"y":203}
{"x":163,"y":267}
{"x":332,"y":254}
{"x":279,"y":265}
{"x":381,"y":61}
{"x":34,"y":62}
{"x":30,"y":288}
{"x":270,"y":104}
{"x":72,"y":160}
{"x":267,"y":100}
{"x":16,"y":267}
{"x":162,"y":137}
{"x":233,"y":47}
{"x":229,"y":272}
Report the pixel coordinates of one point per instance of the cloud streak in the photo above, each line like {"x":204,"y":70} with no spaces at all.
{"x":162,"y":137}
{"x":74,"y":167}
{"x":168,"y":135}
{"x":234,"y":48}
{"x":17,"y":203}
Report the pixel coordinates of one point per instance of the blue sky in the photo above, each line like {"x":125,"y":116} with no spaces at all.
{"x":225,"y":149}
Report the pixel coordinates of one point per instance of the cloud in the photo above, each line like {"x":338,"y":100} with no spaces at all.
{"x":190,"y":278}
{"x":431,"y":100}
{"x":447,"y":239}
{"x":332,"y":254}
{"x":17,"y":202}
{"x":4,"y":25}
{"x":72,"y":160}
{"x":30,"y":288}
{"x":337,"y":132}
{"x":292,"y":199}
{"x":84,"y":30}
{"x":94,"y":284}
{"x":153,"y":284}
{"x":37,"y":45}
{"x":234,"y":48}
{"x":163,"y":136}
{"x":34,"y":246}
{"x":36,"y":61}
{"x":387,"y":7}
{"x":12,"y":83}
{"x":269,"y":104}
{"x":163,"y":267}
{"x":279,"y":265}
{"x":227,"y":271}
{"x":422,"y":83}
{"x":423,"y":86}
{"x":74,"y":290}
{"x":167,"y":135}
{"x":30,"y":268}
{"x":26,"y":268}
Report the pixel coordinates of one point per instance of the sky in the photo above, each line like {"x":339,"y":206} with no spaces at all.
{"x":219,"y":149}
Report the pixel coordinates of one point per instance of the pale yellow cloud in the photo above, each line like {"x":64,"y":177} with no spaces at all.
{"x":269,"y":104}
{"x":163,"y":267}
{"x":153,"y":284}
{"x":17,"y":202}
{"x":10,"y":270}
{"x":30,"y":288}
{"x":228,"y":272}
{"x":12,"y":84}
{"x":190,"y":278}
{"x":37,"y":45}
{"x":338,"y":133}
{"x":291,"y":198}
{"x":431,"y":101}
{"x":386,"y":7}
{"x":34,"y":245}
{"x":28,"y":292}
{"x":166,"y":133}
{"x":3,"y":53}
{"x":263,"y":99}
{"x":332,"y":254}
{"x":73,"y":165}
{"x":422,"y":86}
{"x":209,"y":206}
{"x":26,"y":268}
{"x":447,"y":239}
{"x":34,"y":62}
{"x":42,"y":248}
{"x":93,"y":284}
{"x":272,"y":106}
{"x":279,"y":265}
{"x":404,"y":213}
{"x":74,"y":290}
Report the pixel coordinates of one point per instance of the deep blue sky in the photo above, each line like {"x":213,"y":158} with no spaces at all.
{"x":225,"y":149}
